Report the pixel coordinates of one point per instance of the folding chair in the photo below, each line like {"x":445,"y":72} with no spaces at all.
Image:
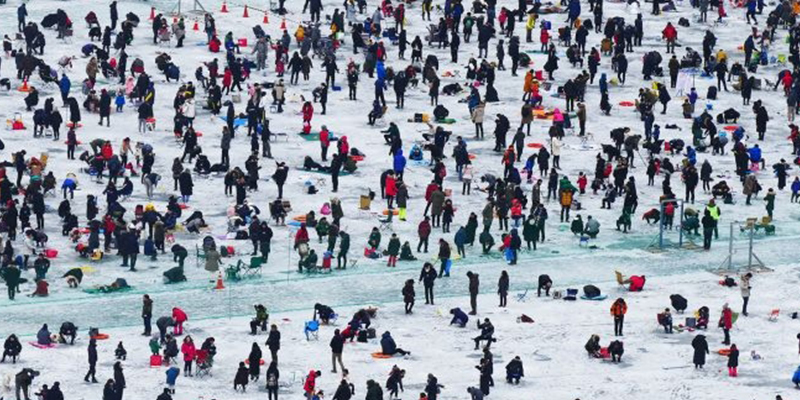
{"x":255,"y":266}
{"x":621,"y":281}
{"x":232,"y":272}
{"x":311,"y":330}
{"x":773,"y":315}
{"x":522,"y":297}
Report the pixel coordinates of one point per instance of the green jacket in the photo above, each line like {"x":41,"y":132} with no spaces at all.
{"x":12,"y":277}
{"x":375,"y":239}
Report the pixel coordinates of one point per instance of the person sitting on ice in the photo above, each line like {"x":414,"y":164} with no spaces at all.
{"x":616,"y":349}
{"x":487,"y":333}
{"x":67,"y":330}
{"x":389,"y":347}
{"x":665,"y":320}
{"x":514,"y":371}
{"x":636,"y":283}
{"x":261,"y":319}
{"x":43,"y":336}
{"x":460,"y":318}
{"x":593,"y":346}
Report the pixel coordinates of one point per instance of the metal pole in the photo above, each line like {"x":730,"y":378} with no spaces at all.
{"x":750,"y":249}
{"x":661,"y":228}
{"x":680,"y":232}
{"x":730,"y":248}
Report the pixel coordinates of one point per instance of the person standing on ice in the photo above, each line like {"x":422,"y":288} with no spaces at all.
{"x":744,"y":285}
{"x":474,"y":286}
{"x":92,"y":352}
{"x":427,"y":276}
{"x":618,"y":310}
{"x":726,"y":322}
{"x":700,"y":346}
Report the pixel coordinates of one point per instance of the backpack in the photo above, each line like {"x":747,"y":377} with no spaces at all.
{"x":683,"y":22}
{"x":362,"y":336}
{"x":712,"y":93}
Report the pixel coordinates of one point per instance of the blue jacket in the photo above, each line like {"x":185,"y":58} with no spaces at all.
{"x":120,"y":100}
{"x":461,"y":236}
{"x":795,"y":186}
{"x":399,"y":161}
{"x":693,"y":96}
{"x":755,"y":154}
{"x":380,"y":69}
{"x":603,"y":83}
{"x":43,"y":337}
{"x":172,"y":375}
{"x":574,"y":9}
{"x":65,"y":84}
{"x":22,"y":12}
{"x":691,"y":154}
{"x":796,"y":376}
{"x":387,"y":344}
{"x":459,"y":317}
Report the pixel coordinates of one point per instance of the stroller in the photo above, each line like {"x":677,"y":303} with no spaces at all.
{"x":204,"y":363}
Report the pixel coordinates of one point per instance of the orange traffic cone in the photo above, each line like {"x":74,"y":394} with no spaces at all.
{"x":24,"y":87}
{"x":246,"y":14}
{"x":152,"y":13}
{"x":266,"y":18}
{"x":283,"y":24}
{"x":220,"y":285}
{"x":224,"y":7}
{"x":196,"y":26}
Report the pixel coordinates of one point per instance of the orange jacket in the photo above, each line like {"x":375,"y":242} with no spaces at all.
{"x":619,"y":308}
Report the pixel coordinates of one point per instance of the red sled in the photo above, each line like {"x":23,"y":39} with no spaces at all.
{"x":51,"y":253}
{"x":156,"y":361}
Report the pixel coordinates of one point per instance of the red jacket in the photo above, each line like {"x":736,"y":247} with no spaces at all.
{"x":726,"y":321}
{"x":324,"y":138}
{"x":214,"y":44}
{"x":391,"y":186}
{"x":637,"y":283}
{"x":429,"y":191}
{"x":308,"y":112}
{"x":178,"y":315}
{"x":544,"y":36}
{"x":188,"y":351}
{"x":301,"y":236}
{"x":311,"y":382}
{"x":670,"y":33}
{"x":424,"y":229}
{"x":227,"y":78}
{"x":107,"y":151}
{"x":582,"y":181}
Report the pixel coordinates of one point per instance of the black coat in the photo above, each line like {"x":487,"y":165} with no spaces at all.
{"x":700,"y":346}
{"x":185,"y":183}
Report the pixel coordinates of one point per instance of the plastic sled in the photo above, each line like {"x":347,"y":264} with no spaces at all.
{"x":604,"y":353}
{"x":598,"y":298}
{"x":311,"y":137}
{"x":534,"y":145}
{"x":183,"y":206}
{"x":380,"y":355}
{"x":446,"y":121}
{"x":394,"y":212}
{"x":237,"y":122}
{"x":156,"y":361}
{"x":70,"y":125}
{"x":730,"y":128}
{"x":42,"y":346}
{"x":260,"y":362}
{"x":472,"y":156}
{"x":626,"y":103}
{"x":725,"y":352}
{"x":357,"y":158}
{"x":299,"y":218}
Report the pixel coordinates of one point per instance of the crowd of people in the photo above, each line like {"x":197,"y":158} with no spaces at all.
{"x":505,"y":205}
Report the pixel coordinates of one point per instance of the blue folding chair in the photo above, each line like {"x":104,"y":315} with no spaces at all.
{"x":311,"y":330}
